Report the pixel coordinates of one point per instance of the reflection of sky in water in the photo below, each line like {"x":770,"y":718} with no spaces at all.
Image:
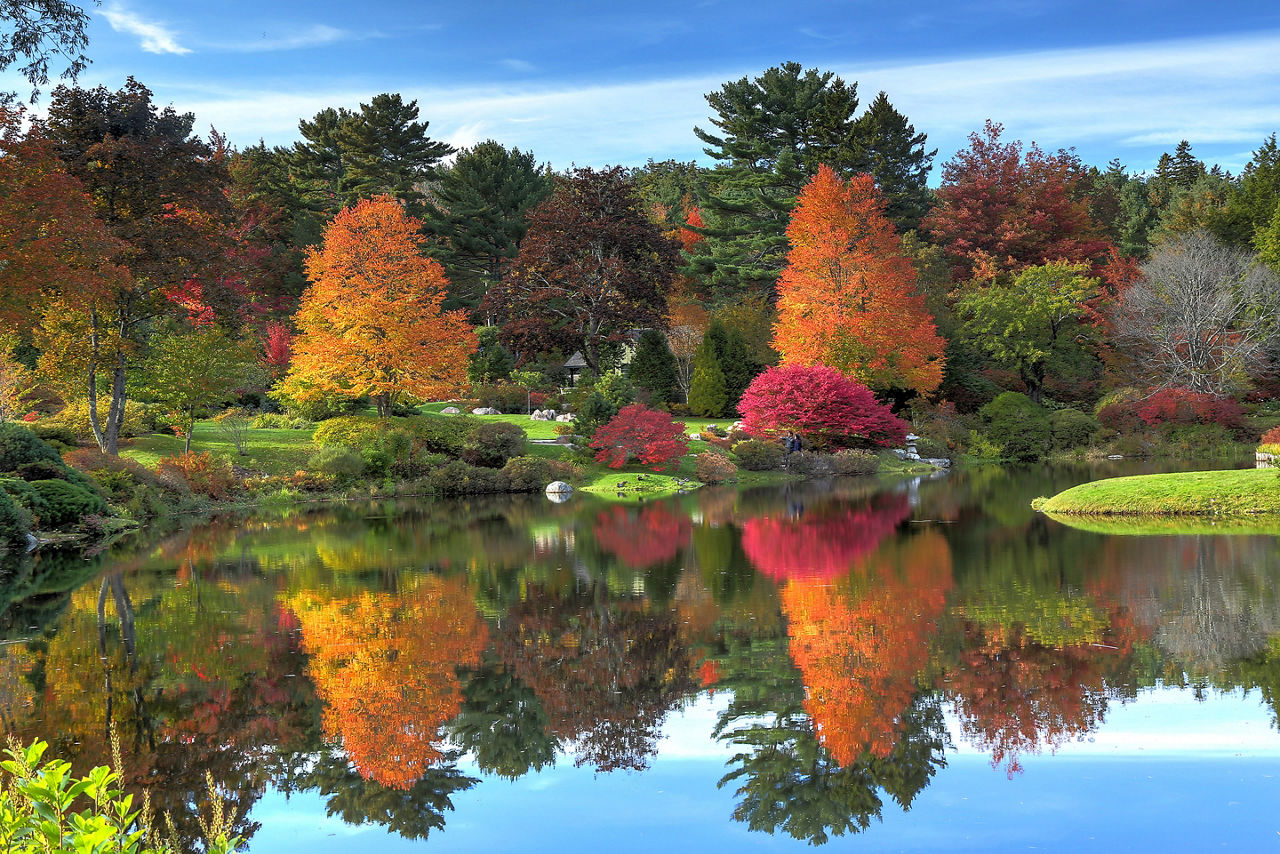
{"x":1186,"y":776}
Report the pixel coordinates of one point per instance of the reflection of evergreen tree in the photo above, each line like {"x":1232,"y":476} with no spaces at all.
{"x":786,"y":780}
{"x":502,"y":723}
{"x":412,"y":813}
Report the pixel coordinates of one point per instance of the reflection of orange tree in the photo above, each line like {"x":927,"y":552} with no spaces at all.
{"x":862,"y":643}
{"x":643,"y":537}
{"x":820,"y":544}
{"x":607,"y":672}
{"x":1017,"y":694}
{"x":385,"y":666}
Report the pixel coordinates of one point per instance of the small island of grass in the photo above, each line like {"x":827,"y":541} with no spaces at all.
{"x":1239,"y":492}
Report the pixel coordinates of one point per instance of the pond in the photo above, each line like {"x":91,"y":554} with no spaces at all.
{"x":909,"y":666}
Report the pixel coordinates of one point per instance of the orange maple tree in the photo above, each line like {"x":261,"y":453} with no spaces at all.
{"x":385,"y":666}
{"x":861,"y":645}
{"x":371,"y":321}
{"x":847,"y":295}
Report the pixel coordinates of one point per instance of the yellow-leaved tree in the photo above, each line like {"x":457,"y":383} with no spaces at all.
{"x":370,"y":323}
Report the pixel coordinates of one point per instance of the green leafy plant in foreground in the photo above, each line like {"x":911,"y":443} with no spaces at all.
{"x":45,"y":809}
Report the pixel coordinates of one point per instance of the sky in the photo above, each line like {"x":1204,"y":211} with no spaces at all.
{"x":596,"y":83}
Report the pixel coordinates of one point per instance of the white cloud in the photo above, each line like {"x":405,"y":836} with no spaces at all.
{"x":316,"y":35}
{"x":156,"y":38}
{"x":1223,"y":94}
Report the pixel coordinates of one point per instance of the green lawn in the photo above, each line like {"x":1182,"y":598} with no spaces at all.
{"x":271,"y":451}
{"x":1198,"y":493}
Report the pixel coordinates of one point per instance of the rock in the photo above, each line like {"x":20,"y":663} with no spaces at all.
{"x":544,"y":415}
{"x":451,"y":410}
{"x":565,"y":419}
{"x":559,"y":491}
{"x":485,"y":410}
{"x":1115,"y":456}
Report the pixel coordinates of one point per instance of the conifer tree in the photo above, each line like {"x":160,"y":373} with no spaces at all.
{"x":895,"y":156}
{"x":477,"y":209}
{"x":707,"y":395}
{"x":653,"y":367}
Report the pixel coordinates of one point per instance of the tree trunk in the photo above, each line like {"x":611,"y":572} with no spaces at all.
{"x":191,"y":428}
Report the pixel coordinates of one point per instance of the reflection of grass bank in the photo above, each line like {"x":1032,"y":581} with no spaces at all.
{"x":1170,"y":525}
{"x":1200,"y":493}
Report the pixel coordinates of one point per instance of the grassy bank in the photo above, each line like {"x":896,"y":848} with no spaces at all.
{"x":1201,"y":493}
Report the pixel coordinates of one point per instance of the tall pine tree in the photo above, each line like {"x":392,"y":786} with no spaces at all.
{"x":895,"y":156}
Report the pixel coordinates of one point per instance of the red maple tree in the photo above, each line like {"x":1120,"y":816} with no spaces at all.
{"x":647,"y":434}
{"x":820,"y":403}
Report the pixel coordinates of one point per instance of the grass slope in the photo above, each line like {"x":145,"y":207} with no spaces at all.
{"x":1198,"y":493}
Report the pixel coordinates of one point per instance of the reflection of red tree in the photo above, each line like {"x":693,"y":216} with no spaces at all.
{"x":1016,"y":696}
{"x":821,"y":545}
{"x":861,"y":646}
{"x":643,"y":537}
{"x":385,"y":666}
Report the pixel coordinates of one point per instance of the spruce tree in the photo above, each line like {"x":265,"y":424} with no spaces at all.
{"x":737,"y":365}
{"x":707,"y":395}
{"x":895,"y":156}
{"x":477,"y":208}
{"x":653,"y":368}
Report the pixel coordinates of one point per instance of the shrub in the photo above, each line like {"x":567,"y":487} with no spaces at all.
{"x":1019,"y":426}
{"x":492,"y":443}
{"x":647,"y":434}
{"x":526,"y":474}
{"x":1072,"y":428}
{"x":337,"y":462}
{"x":66,"y":503}
{"x":459,"y":478}
{"x":811,"y":464}
{"x":617,"y":389}
{"x":42,"y":470}
{"x":15,"y":523}
{"x":280,"y":421}
{"x":56,"y":434}
{"x":758,"y":454}
{"x":504,"y":397}
{"x":25,"y":496}
{"x":442,"y":435}
{"x":855,"y":461}
{"x":820,"y":403}
{"x":1183,"y":406}
{"x":1270,"y":441}
{"x":203,"y":473}
{"x":351,"y":431}
{"x":19,"y":446}
{"x":592,"y":414}
{"x":710,"y":467}
{"x":233,"y":425}
{"x":318,"y":408}
{"x":139,"y":419}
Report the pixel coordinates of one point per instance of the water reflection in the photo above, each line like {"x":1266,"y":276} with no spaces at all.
{"x":393,"y":657}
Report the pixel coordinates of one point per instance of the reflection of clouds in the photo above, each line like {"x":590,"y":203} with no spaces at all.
{"x":1169,"y":723}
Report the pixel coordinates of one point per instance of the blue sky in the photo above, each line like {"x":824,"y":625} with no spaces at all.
{"x":600,"y":83}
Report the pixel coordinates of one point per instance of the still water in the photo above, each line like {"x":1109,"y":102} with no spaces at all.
{"x":917,"y":666}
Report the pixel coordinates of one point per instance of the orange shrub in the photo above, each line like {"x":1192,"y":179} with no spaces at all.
{"x":203,"y":473}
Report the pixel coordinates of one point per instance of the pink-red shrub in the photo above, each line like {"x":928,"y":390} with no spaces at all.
{"x":1172,"y":406}
{"x":821,"y":404}
{"x":648,"y":435}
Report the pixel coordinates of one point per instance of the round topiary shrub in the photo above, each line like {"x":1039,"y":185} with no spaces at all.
{"x":758,"y":454}
{"x":19,"y":446}
{"x":66,"y":503}
{"x":1019,"y":426}
{"x":492,"y":443}
{"x":1072,"y":428}
{"x":338,"y":462}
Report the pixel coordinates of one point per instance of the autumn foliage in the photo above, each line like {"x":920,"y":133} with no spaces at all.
{"x":371,"y":323}
{"x":648,"y":435}
{"x":385,"y":666}
{"x":820,"y":403}
{"x":862,"y":646}
{"x":847,"y":295}
{"x":823,"y":543}
{"x":645,"y":536}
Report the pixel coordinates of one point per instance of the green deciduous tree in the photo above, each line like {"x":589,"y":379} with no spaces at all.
{"x":34,"y":31}
{"x":195,"y":369}
{"x":1024,"y":323}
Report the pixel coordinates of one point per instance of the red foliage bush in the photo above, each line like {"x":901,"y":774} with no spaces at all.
{"x":651,"y":436}
{"x":1271,"y":437}
{"x":1172,"y":406}
{"x":711,"y":467}
{"x":203,"y":473}
{"x":820,"y":403}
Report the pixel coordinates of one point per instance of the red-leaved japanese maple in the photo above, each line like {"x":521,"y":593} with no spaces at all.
{"x":821,"y":404}
{"x":648,"y":435}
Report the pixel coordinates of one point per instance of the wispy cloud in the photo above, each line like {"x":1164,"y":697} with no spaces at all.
{"x":519,"y":65}
{"x":1121,"y":100}
{"x":156,"y":37}
{"x":316,"y":35}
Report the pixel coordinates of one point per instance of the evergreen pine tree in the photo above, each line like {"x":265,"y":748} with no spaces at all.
{"x":653,"y":367}
{"x":896,"y":158}
{"x":477,"y":209}
{"x":707,"y":395}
